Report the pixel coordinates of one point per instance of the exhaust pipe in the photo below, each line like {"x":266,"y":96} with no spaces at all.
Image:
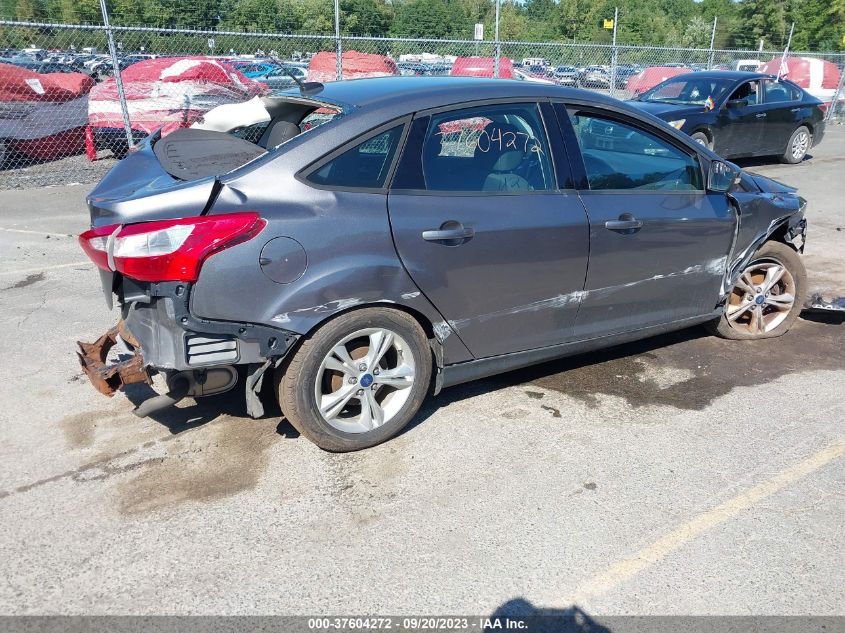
{"x":178,"y":390}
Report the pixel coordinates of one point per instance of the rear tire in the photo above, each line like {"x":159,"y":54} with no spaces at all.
{"x":358,"y":380}
{"x":746,"y":317}
{"x":799,"y":144}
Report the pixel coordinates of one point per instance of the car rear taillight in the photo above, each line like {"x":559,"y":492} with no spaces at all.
{"x":95,"y":243}
{"x":169,"y":250}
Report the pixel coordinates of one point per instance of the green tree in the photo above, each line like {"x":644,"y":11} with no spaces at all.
{"x":430,"y":18}
{"x":31,"y":10}
{"x":366,"y":17}
{"x":697,"y":33}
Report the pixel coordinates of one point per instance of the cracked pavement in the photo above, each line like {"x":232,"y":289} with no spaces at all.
{"x":679,"y":475}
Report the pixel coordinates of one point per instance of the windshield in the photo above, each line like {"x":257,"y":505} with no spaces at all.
{"x":687,"y":91}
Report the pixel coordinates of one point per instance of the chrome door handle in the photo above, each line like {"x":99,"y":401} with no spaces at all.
{"x":761,"y":115}
{"x":796,"y":109}
{"x":626,"y":222}
{"x":453,"y":233}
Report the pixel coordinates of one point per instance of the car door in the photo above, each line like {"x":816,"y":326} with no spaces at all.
{"x":783,"y":113}
{"x":658,"y":241}
{"x":483,"y":229}
{"x":741,"y":121}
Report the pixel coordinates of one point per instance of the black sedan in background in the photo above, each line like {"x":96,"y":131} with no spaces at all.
{"x":42,"y":67}
{"x":739,"y":114}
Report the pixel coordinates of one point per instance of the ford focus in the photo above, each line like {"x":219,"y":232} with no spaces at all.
{"x":366,"y":243}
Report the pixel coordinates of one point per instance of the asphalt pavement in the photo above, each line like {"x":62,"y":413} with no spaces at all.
{"x":679,"y":475}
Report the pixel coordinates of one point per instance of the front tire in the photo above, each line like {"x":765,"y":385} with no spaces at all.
{"x":767,"y":296}
{"x":798,"y":146}
{"x":702,"y":139}
{"x":358,"y":380}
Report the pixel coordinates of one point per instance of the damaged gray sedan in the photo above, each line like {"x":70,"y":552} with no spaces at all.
{"x":366,"y":243}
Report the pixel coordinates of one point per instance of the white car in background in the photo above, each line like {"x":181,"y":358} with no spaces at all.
{"x":747,"y":65}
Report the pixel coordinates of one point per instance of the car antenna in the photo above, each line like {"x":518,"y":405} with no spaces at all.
{"x":306,"y":88}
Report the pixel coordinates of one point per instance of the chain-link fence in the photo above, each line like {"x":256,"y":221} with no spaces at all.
{"x":66,"y":113}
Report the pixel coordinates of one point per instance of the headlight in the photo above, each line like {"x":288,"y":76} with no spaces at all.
{"x":677,"y":124}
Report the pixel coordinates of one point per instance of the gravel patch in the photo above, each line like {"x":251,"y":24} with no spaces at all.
{"x":64,"y":171}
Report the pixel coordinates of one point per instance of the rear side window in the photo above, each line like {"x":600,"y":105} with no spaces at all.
{"x":778,"y":92}
{"x":491,"y":149}
{"x":621,"y":156}
{"x":364,"y":166}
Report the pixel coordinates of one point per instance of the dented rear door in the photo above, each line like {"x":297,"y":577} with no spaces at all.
{"x":505,"y":268}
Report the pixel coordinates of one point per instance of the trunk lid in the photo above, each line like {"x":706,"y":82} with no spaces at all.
{"x":169,"y":177}
{"x":138,"y":189}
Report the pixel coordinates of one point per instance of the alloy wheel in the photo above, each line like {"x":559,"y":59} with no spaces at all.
{"x":800,"y":145}
{"x":762,"y":298}
{"x":365,"y":380}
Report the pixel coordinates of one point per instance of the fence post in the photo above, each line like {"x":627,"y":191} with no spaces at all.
{"x":118,"y":80}
{"x":338,"y":46}
{"x":835,"y":101}
{"x":614,"y":53}
{"x":712,"y":43}
{"x":498,"y":52}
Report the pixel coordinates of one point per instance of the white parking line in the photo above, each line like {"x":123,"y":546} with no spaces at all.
{"x":26,"y":271}
{"x":28,"y":232}
{"x":654,"y":553}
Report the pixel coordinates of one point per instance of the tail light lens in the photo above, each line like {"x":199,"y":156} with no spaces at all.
{"x":169,"y":250}
{"x":95,"y":243}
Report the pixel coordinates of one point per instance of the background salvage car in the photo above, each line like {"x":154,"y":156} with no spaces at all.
{"x":428,"y":231}
{"x":739,"y":114}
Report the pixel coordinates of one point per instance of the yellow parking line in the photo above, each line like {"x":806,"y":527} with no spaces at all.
{"x":652,"y":554}
{"x":26,"y":271}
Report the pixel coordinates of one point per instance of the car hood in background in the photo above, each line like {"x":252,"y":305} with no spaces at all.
{"x":667,"y":111}
{"x":767,"y":185}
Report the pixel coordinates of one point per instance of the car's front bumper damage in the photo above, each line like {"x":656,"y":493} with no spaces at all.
{"x":109,"y":378}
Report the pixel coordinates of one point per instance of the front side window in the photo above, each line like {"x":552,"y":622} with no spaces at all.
{"x":494,"y":149}
{"x":750,"y":91}
{"x":621,"y":156}
{"x":364,"y":166}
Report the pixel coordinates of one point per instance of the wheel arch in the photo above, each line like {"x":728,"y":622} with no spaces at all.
{"x":423,"y":320}
{"x":782,"y":229}
{"x":704,"y":129}
{"x":436,"y":332}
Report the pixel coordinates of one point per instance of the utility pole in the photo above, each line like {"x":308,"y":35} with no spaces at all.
{"x":712,"y":43}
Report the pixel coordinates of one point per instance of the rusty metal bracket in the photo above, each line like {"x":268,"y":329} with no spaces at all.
{"x":110,"y":378}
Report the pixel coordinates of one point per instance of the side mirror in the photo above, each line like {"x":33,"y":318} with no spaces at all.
{"x":737,"y":103}
{"x":722,"y":176}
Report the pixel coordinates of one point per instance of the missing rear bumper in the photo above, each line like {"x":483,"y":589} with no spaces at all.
{"x":108,"y":378}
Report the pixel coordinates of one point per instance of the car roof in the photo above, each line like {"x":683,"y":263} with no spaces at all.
{"x":732,"y":75}
{"x":400,"y":95}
